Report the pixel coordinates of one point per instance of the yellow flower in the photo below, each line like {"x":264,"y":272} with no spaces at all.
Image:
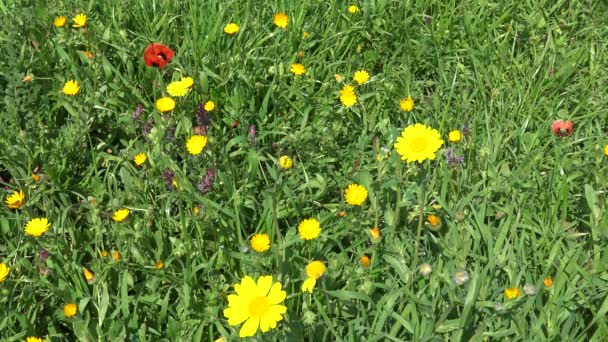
{"x":455,"y":136}
{"x":116,"y":255}
{"x":27,"y":78}
{"x":281,"y":20}
{"x":209,"y":106}
{"x":33,"y":339}
{"x":80,"y":20}
{"x":434,"y":222}
{"x":70,"y":310}
{"x":298,"y":69}
{"x":89,"y":54}
{"x":165,"y":104}
{"x":305,"y":35}
{"x":260,"y":243}
{"x":361,"y":77}
{"x":181,"y":87}
{"x":375,"y":233}
{"x":314,"y":270}
{"x":60,"y":21}
{"x":512,"y":292}
{"x":606,"y":150}
{"x":88,"y":275}
{"x":196,"y":144}
{"x":338,"y":78}
{"x":285,"y":162}
{"x":35,"y":177}
{"x":352,"y":9}
{"x":16,"y":200}
{"x":4,"y":272}
{"x":104,"y":253}
{"x":71,"y":88}
{"x":258,"y":305}
{"x":365,"y":261}
{"x":120,"y":215}
{"x":37,"y":226}
{"x":355,"y":194}
{"x":140,"y":159}
{"x":159,"y":265}
{"x":359,"y":48}
{"x":348,"y":96}
{"x":418,"y":143}
{"x":407,"y":104}
{"x":195,"y":210}
{"x":231,"y":29}
{"x":309,"y":229}
{"x":548,"y":282}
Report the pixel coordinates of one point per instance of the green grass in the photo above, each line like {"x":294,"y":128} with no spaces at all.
{"x":525,"y":205}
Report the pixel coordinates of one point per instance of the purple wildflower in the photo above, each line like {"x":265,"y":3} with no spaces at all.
{"x":452,"y":159}
{"x":171,"y":134}
{"x":138,"y":111}
{"x":204,"y":186}
{"x":44,"y":254}
{"x":169,"y":176}
{"x":147,"y":127}
{"x":203,"y":115}
{"x":253,"y":133}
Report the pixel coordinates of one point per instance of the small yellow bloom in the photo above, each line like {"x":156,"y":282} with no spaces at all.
{"x":181,"y":87}
{"x":348,"y":96}
{"x":195,"y":210}
{"x":70,"y":310}
{"x":359,"y":48}
{"x":28,"y":78}
{"x":88,"y":275}
{"x":309,"y":284}
{"x":314,"y":270}
{"x":209,"y":106}
{"x":89,"y":54}
{"x":375,"y":233}
{"x":71,"y":88}
{"x":116,"y":255}
{"x":338,"y":78}
{"x":512,"y":292}
{"x":33,"y":339}
{"x":434,"y":222}
{"x":355,"y":194}
{"x":260,"y":243}
{"x":361,"y":77}
{"x":80,"y":20}
{"x":548,"y":282}
{"x":196,"y":144}
{"x":37,"y":227}
{"x":120,"y":215}
{"x":606,"y":150}
{"x":285,"y":162}
{"x":16,"y":200}
{"x":159,"y":265}
{"x":352,"y":9}
{"x":35,"y":177}
{"x":140,"y":159}
{"x":4,"y":271}
{"x":309,"y":229}
{"x":60,"y":21}
{"x":407,"y":104}
{"x":104,"y":253}
{"x":305,"y":35}
{"x":365,"y":261}
{"x":165,"y":104}
{"x":231,"y":29}
{"x":455,"y":136}
{"x":298,"y":69}
{"x":281,"y":20}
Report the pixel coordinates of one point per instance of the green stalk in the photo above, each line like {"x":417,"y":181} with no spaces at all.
{"x":422,"y":195}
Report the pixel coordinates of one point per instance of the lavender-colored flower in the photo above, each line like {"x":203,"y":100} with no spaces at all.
{"x":171,"y":134}
{"x":147,"y":127}
{"x":253,"y":132}
{"x":203,"y":116}
{"x":204,"y":186}
{"x":168,"y":177}
{"x":44,"y":254}
{"x":452,"y":159}
{"x":138,"y":111}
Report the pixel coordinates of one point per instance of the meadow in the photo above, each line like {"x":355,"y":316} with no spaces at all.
{"x":316,"y":170}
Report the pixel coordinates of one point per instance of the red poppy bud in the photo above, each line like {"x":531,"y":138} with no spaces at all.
{"x":562,"y":128}
{"x":157,"y":55}
{"x":235,"y":124}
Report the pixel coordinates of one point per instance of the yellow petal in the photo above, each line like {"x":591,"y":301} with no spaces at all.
{"x":235,"y":316}
{"x":309,"y":284}
{"x":264,"y":324}
{"x":276,"y":296}
{"x":250,"y":327}
{"x":264,"y":283}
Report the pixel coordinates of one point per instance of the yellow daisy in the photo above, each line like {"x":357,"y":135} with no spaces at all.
{"x":37,"y":226}
{"x":231,"y":29}
{"x":181,"y":87}
{"x":16,"y":200}
{"x":348,"y":96}
{"x":33,"y":339}
{"x":606,"y":150}
{"x":418,"y":143}
{"x":4,"y":271}
{"x":120,"y":215}
{"x":209,"y":106}
{"x":314,"y":270}
{"x":298,"y":69}
{"x":140,"y":159}
{"x":116,"y":255}
{"x":88,"y":275}
{"x":285,"y":162}
{"x":455,"y":136}
{"x":309,"y":229}
{"x":355,"y":194}
{"x":512,"y":293}
{"x":305,"y":34}
{"x":260,"y":242}
{"x":352,"y":9}
{"x":159,"y":265}
{"x":70,"y":310}
{"x":258,"y":305}
{"x":407,"y":104}
{"x":71,"y":88}
{"x":361,"y":77}
{"x":434,"y":222}
{"x":196,"y":144}
{"x":80,"y":20}
{"x":60,"y":21}
{"x":281,"y":20}
{"x":165,"y":104}
{"x":375,"y":233}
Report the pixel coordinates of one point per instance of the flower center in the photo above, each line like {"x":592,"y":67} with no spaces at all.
{"x":259,"y":306}
{"x":418,"y":144}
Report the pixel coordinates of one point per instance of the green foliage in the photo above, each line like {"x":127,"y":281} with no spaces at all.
{"x":525,"y":204}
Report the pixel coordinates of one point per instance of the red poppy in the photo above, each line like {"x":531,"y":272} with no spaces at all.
{"x":562,"y":128}
{"x":157,"y":55}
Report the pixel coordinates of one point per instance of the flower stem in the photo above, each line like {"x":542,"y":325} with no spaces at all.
{"x":421,"y":205}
